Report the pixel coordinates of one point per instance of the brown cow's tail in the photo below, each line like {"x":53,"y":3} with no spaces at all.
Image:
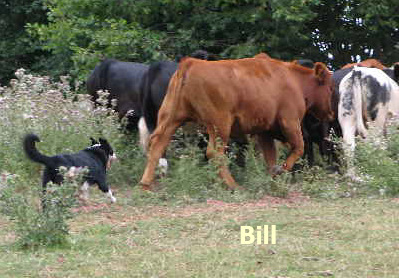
{"x":171,"y":103}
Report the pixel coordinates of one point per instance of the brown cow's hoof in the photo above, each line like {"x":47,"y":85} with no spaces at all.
{"x":146,"y":187}
{"x":235,"y":188}
{"x":153,"y":187}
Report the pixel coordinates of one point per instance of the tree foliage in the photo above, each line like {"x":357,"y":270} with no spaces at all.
{"x":17,"y":48}
{"x":81,"y":32}
{"x":361,"y":28}
{"x":78,"y":33}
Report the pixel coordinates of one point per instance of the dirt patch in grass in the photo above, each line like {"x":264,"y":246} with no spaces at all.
{"x":89,"y":208}
{"x":293,"y":199}
{"x":118,"y":215}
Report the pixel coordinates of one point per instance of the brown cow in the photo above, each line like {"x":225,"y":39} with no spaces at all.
{"x":369,"y":63}
{"x":260,"y":96}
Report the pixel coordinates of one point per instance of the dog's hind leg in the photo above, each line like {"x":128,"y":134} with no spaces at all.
{"x":46,"y":178}
{"x":84,"y":191}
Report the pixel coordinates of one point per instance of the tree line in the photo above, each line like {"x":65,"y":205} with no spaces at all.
{"x":57,"y":37}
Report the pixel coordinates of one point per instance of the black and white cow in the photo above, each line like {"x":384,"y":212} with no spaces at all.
{"x":124,"y":82}
{"x":366,"y":94}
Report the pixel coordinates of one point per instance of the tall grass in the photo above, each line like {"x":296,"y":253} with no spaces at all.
{"x":35,"y":225}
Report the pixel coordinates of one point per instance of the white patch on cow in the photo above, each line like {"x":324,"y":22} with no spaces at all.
{"x":355,"y":92}
{"x":111,"y":196}
{"x":130,"y":112}
{"x":144,"y":134}
{"x":163,"y":165}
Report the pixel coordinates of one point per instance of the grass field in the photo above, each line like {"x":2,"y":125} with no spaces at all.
{"x":328,"y":224}
{"x":315,"y":238}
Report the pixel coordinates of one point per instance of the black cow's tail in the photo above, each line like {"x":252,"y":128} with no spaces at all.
{"x":147,"y":122}
{"x":33,"y":154}
{"x":150,"y":111}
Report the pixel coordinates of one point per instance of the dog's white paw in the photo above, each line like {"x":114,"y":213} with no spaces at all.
{"x":113,"y":199}
{"x":111,"y":196}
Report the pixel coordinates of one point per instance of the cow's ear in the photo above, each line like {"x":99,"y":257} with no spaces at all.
{"x":321,"y":72}
{"x":396,"y":72}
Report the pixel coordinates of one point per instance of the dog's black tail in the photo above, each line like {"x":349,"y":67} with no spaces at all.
{"x":31,"y":151}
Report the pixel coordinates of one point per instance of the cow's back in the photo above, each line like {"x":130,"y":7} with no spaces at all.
{"x":159,"y":76}
{"x":247,"y":89}
{"x":126,"y":76}
{"x":124,"y":82}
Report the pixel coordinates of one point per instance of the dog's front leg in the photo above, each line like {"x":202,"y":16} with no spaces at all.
{"x":111,"y":196}
{"x":104,"y":188}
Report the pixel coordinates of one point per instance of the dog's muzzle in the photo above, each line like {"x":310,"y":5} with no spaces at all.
{"x":111,"y":160}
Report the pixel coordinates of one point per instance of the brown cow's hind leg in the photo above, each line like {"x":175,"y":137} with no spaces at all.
{"x":266,"y":143}
{"x":293,"y":134}
{"x":158,"y":143}
{"x":215,"y":150}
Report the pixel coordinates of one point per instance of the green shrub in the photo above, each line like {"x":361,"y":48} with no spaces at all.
{"x":36,"y":225}
{"x":372,"y":172}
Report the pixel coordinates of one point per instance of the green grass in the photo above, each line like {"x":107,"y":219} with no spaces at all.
{"x":345,"y":238}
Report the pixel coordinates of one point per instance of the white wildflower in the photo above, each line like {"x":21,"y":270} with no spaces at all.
{"x":20,"y":73}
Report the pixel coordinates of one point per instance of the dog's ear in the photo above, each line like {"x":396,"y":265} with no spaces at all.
{"x":103,"y":141}
{"x":93,"y":141}
{"x":105,"y":145}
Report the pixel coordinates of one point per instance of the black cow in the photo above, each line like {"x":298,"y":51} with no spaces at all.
{"x":124,"y":82}
{"x":318,"y":132}
{"x":314,"y":131}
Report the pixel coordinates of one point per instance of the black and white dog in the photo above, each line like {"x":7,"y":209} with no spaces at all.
{"x":97,"y":158}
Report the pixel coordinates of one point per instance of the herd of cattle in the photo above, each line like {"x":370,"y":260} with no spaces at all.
{"x":298,"y":103}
